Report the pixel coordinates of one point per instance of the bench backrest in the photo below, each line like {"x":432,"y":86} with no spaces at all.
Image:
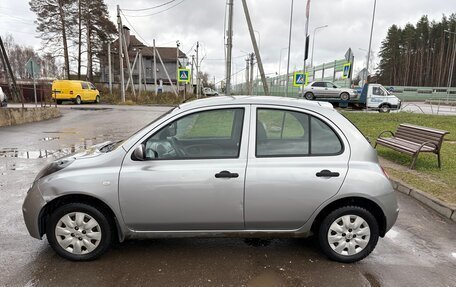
{"x":420,"y":134}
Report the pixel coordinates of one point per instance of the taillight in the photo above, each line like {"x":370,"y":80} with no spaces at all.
{"x":384,"y":172}
{"x":71,"y":92}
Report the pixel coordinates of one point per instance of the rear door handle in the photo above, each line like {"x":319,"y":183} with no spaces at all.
{"x":226,"y":174}
{"x":327,"y":173}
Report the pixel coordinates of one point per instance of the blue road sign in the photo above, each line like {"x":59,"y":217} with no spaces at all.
{"x":184,"y":75}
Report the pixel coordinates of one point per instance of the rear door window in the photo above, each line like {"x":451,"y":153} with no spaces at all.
{"x":289,"y":133}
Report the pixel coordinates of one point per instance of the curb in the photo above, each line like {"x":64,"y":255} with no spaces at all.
{"x":430,"y":201}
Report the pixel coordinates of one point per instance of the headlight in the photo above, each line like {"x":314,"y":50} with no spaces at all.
{"x":54,"y":167}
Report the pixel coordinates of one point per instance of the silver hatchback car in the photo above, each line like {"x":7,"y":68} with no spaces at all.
{"x":224,"y":166}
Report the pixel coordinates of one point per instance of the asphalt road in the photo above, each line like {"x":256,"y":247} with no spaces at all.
{"x":420,"y":250}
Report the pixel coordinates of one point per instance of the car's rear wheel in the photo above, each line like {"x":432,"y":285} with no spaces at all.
{"x":79,"y":232}
{"x":309,"y":96}
{"x":59,"y":102}
{"x":348,"y":234}
{"x":344,"y":96}
{"x":78,"y":100}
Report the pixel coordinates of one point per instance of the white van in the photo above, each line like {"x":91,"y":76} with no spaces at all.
{"x":378,"y":98}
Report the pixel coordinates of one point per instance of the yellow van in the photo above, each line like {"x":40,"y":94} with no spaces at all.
{"x":75,"y":91}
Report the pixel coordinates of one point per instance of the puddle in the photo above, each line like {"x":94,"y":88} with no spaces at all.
{"x":59,"y":132}
{"x":84,"y":144}
{"x":91,"y":109}
{"x":41,"y":153}
{"x":46,"y":139}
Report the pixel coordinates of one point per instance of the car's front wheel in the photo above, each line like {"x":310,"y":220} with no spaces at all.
{"x":348,"y":234}
{"x":309,"y":96}
{"x":79,"y":232}
{"x":385,"y":108}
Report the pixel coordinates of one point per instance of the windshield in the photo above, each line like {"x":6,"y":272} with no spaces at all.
{"x":113,"y":145}
{"x":160,"y":117}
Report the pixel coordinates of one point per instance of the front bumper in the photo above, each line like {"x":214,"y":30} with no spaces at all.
{"x":31,"y":209}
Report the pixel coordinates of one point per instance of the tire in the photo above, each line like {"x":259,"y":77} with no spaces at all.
{"x":97,"y":100}
{"x":78,"y":101}
{"x":345,"y":96}
{"x":309,"y":96}
{"x":348,"y":234}
{"x":59,"y":102}
{"x":73,"y":233}
{"x":385,"y":108}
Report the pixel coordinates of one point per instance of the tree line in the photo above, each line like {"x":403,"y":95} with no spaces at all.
{"x":76,"y":30}
{"x":418,"y":55}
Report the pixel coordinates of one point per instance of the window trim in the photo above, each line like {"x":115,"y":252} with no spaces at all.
{"x":153,"y":133}
{"x":342,"y":150}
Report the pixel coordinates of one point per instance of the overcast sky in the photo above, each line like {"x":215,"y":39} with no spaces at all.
{"x":203,"y":20}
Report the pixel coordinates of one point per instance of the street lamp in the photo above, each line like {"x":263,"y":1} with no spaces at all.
{"x":371,"y":57}
{"x":289,"y":47}
{"x":369,"y":49}
{"x":313,"y":44}
{"x":370,"y":39}
{"x":280,"y":58}
{"x":450,"y":73}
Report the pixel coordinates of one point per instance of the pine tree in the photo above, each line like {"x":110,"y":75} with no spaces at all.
{"x":55,"y":26}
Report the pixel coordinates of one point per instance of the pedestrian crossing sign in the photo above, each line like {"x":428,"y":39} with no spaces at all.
{"x":184,"y":75}
{"x":346,"y":71}
{"x":299,"y":78}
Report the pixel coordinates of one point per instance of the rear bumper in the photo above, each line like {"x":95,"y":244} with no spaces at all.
{"x":31,"y":209}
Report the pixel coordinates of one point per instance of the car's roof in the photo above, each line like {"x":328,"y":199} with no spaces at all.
{"x":256,"y":100}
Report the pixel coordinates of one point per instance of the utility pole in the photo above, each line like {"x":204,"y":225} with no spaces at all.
{"x":121,"y":69}
{"x":229,"y":47}
{"x":127,"y":58}
{"x":155,"y":68}
{"x":197,"y":72}
{"x":177,"y":65}
{"x":255,"y":48}
{"x":139,"y":72}
{"x":191,"y":71}
{"x":252,"y":65}
{"x":289,"y":49}
{"x":247,"y":74}
{"x":167,"y":75}
{"x":109,"y":68}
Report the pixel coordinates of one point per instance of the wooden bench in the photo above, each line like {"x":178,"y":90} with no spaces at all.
{"x":412,"y":140}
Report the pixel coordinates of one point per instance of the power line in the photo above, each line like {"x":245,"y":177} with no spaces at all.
{"x":147,"y":15}
{"x":131,"y":25}
{"x":151,"y":8}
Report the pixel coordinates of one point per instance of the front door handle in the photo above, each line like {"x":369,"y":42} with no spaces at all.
{"x":226,"y":174}
{"x":327,"y":173}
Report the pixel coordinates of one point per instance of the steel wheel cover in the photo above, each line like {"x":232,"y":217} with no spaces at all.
{"x":78,"y":233}
{"x":348,"y":235}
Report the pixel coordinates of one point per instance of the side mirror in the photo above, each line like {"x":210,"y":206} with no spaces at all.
{"x":140,"y":152}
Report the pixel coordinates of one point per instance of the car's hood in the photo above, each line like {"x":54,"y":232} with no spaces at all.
{"x":92,"y":151}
